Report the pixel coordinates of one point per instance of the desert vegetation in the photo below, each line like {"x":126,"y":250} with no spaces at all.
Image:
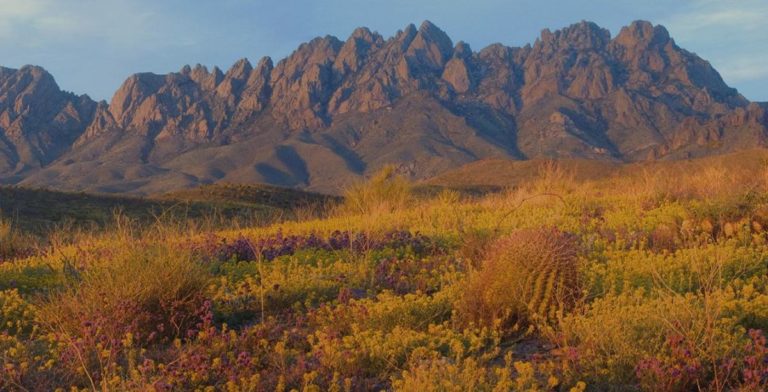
{"x":650,"y":281}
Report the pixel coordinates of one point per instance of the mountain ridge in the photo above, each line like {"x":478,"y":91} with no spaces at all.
{"x":333,"y":111}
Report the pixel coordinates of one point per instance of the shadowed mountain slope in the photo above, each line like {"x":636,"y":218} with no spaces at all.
{"x":334,"y":111}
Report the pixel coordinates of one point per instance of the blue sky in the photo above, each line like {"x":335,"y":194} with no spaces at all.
{"x":91,"y":46}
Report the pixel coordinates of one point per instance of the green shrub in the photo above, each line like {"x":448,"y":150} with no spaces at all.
{"x":607,"y":341}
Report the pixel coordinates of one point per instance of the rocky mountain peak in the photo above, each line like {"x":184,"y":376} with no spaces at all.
{"x":643,"y":33}
{"x":364,"y":34}
{"x":25,"y":89}
{"x":651,"y":59}
{"x":355,"y":50}
{"x":132,"y":92}
{"x":38,"y":121}
{"x":431,"y":47}
{"x":302,"y":84}
{"x":462,"y":50}
{"x":405,"y":36}
{"x":429,"y":29}
{"x":207,"y":80}
{"x":255,"y":96}
{"x":265,"y":62}
{"x":240,"y":69}
{"x":234,"y":81}
{"x":334,"y":109}
{"x":581,"y":36}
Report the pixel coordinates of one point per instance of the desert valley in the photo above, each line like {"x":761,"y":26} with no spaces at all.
{"x":587,"y":212}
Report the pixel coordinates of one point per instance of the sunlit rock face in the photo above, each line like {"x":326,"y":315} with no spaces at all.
{"x":334,"y":110}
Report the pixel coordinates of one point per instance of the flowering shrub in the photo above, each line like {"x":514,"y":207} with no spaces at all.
{"x":148,"y":297}
{"x":679,"y":367}
{"x":371,"y":356}
{"x":639,"y":288}
{"x":269,"y":248}
{"x":16,"y":314}
{"x":439,"y":373}
{"x":686,"y":270}
{"x":385,"y":312}
{"x":26,"y":356}
{"x":754,"y":372}
{"x":283,"y":288}
{"x":409,"y":274}
{"x":680,"y":370}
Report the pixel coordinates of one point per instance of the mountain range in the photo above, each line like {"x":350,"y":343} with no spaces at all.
{"x":334,"y":111}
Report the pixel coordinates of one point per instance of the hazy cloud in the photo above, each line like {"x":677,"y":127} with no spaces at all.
{"x":113,"y":22}
{"x":730,"y":34}
{"x":705,"y":15}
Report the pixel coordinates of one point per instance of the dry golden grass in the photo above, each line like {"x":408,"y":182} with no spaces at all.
{"x":594,"y":276}
{"x":385,"y":192}
{"x":143,"y":295}
{"x":14,"y":243}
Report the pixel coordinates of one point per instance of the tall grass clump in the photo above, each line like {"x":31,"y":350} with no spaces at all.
{"x":527,"y":277}
{"x":553,"y":177}
{"x":385,"y":192}
{"x":12,"y":243}
{"x":142,"y":298}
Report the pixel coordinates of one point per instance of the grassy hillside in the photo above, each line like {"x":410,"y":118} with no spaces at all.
{"x":249,"y":196}
{"x":38,"y":210}
{"x":649,"y":279}
{"x":500,"y":173}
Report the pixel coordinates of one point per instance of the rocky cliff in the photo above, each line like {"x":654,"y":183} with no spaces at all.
{"x":38,"y":121}
{"x":336,"y":110}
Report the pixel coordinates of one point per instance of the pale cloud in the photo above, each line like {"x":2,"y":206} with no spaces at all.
{"x":115,"y":22}
{"x":731,"y":34}
{"x":719,"y":18}
{"x":743,"y":16}
{"x":16,"y":13}
{"x":91,"y":46}
{"x":746,"y":69}
{"x":20,"y":8}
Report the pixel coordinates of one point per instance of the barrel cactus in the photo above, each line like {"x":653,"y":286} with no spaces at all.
{"x":527,"y":277}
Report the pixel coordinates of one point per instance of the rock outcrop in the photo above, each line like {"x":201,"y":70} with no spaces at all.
{"x":335,"y":110}
{"x":38,"y":121}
